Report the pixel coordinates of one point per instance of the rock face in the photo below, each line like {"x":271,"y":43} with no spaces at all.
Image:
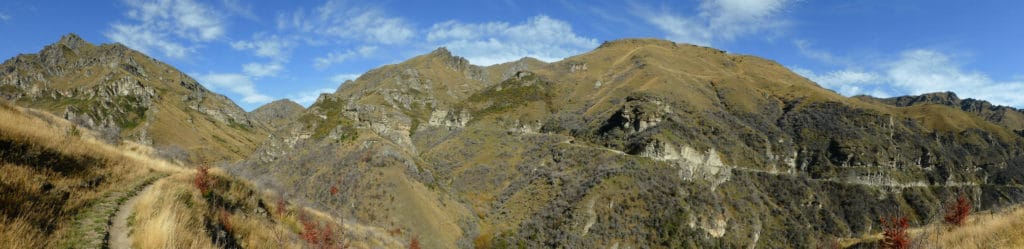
{"x":1008,"y":117}
{"x":277,"y":114}
{"x":639,"y":143}
{"x":129,"y":95}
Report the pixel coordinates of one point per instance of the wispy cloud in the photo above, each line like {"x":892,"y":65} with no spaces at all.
{"x":307,"y":98}
{"x":918,"y":71}
{"x":235,"y":83}
{"x":488,"y":43}
{"x":807,"y":49}
{"x":341,"y":78}
{"x":716,"y":20}
{"x":241,"y":9}
{"x":269,"y":46}
{"x":332,"y":58}
{"x":165,"y":25}
{"x":4,"y":17}
{"x":341,"y":20}
{"x":262,"y":69}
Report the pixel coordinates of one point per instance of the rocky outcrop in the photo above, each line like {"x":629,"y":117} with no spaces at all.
{"x":277,"y":114}
{"x":676,"y":146}
{"x":113,"y":88}
{"x":1006,"y":116}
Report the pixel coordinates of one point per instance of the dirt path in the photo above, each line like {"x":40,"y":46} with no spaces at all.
{"x":119,"y":237}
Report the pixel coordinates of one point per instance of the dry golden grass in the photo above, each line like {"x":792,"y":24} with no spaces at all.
{"x":19,"y":233}
{"x":53,"y":170}
{"x":1001,"y":229}
{"x":174,"y":214}
{"x":164,"y":218}
{"x":983,"y":230}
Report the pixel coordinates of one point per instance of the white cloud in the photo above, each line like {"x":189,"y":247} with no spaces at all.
{"x":165,"y":25}
{"x":919,"y":71}
{"x":806,"y":49}
{"x":340,"y":20}
{"x":717,"y":20}
{"x":236,"y":83}
{"x":262,"y":69}
{"x":849,"y":82}
{"x":271,"y":46}
{"x":146,"y":40}
{"x":332,"y":58}
{"x":308,"y":97}
{"x":490,"y":43}
{"x":341,"y":78}
{"x":241,"y":9}
{"x":4,"y":17}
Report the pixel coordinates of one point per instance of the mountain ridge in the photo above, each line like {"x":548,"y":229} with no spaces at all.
{"x":639,"y":142}
{"x":129,"y":95}
{"x":517,"y":158}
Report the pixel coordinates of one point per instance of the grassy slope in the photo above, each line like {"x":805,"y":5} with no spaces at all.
{"x":61,"y":186}
{"x":524,"y":182}
{"x":989,"y":229}
{"x":168,"y":121}
{"x":57,"y":177}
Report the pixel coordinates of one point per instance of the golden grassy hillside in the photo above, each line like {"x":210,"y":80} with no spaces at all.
{"x":61,"y":186}
{"x":53,"y":172}
{"x":988,"y":229}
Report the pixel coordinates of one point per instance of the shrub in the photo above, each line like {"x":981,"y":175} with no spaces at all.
{"x":309,"y":229}
{"x":321,"y":236}
{"x":203,"y":181}
{"x":334,"y":190}
{"x":224,"y":217}
{"x":281,"y":206}
{"x":957,"y":212}
{"x":414,"y":243}
{"x":894,"y":232}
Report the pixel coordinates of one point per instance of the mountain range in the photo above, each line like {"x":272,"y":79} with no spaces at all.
{"x":637,"y":143}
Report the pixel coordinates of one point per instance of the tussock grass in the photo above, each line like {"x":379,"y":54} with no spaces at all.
{"x":20,"y":233}
{"x":990,"y":229}
{"x":982,"y":230}
{"x":175,"y":214}
{"x":52,"y":172}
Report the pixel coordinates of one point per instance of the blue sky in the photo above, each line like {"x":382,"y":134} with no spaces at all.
{"x":258,"y":51}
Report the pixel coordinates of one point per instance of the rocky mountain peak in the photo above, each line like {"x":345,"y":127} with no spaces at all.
{"x":277,"y":114}
{"x":73,"y":41}
{"x":442,"y":52}
{"x":128,"y":95}
{"x":942,"y":98}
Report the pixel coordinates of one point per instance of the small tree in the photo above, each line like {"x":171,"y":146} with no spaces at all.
{"x":895,"y":234}
{"x":203,"y":181}
{"x":957,"y":212}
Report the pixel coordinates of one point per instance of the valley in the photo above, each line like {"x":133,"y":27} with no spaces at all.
{"x":638,"y":143}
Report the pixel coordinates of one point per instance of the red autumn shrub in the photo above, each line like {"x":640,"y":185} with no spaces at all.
{"x":310,"y":231}
{"x":203,"y":181}
{"x":281,"y":206}
{"x":414,"y":243}
{"x":334,"y":190}
{"x":957,"y":212}
{"x":225,"y":220}
{"x":894,"y":231}
{"x":321,"y":236}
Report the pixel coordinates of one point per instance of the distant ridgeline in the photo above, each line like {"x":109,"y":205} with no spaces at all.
{"x":636,"y":143}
